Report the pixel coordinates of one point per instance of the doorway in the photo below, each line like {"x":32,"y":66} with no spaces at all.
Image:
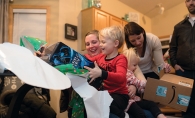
{"x":30,"y":21}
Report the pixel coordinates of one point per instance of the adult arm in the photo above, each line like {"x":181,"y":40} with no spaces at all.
{"x":173,"y":51}
{"x":157,"y":52}
{"x":138,"y":73}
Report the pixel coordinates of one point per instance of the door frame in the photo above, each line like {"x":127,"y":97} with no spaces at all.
{"x":11,"y":19}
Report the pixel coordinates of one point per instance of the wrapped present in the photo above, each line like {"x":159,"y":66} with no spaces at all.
{"x":67,"y":60}
{"x":63,"y":54}
{"x":33,"y":44}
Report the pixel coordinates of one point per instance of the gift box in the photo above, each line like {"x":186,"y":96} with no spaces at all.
{"x":67,"y":60}
{"x":63,"y":54}
{"x":171,"y":90}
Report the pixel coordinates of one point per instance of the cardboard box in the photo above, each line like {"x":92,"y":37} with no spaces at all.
{"x":171,"y":90}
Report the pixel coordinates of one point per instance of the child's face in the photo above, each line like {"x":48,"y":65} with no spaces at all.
{"x":133,"y":65}
{"x":107,"y":45}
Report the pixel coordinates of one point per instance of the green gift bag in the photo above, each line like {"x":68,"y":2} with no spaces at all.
{"x":34,"y":44}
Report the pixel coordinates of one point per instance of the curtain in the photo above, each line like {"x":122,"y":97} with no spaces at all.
{"x":4,"y":6}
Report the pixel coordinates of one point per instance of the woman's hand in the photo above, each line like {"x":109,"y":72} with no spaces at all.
{"x":40,"y":52}
{"x":132,"y":90}
{"x":167,"y":68}
{"x":94,"y":72}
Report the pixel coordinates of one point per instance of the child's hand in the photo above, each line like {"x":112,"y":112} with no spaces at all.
{"x":131,"y":90}
{"x":94,"y":72}
{"x":167,"y":68}
{"x":137,"y":98}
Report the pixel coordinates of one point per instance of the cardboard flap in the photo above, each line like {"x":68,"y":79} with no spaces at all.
{"x":178,"y":80}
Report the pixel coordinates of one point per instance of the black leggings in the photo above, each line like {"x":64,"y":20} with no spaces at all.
{"x":136,"y":109}
{"x":119,"y":104}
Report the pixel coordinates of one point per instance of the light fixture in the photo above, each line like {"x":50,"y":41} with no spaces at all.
{"x":161,"y":9}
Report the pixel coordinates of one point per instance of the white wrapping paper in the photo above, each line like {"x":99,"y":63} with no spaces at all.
{"x":97,"y":103}
{"x":31,"y":69}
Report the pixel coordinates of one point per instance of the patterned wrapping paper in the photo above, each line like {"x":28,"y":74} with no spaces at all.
{"x":31,"y":42}
{"x":67,"y":60}
{"x":63,"y":54}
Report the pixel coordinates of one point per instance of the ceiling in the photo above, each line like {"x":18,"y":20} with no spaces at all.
{"x":150,"y":7}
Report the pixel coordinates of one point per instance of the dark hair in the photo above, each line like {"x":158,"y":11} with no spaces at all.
{"x":95,"y":32}
{"x":133,"y":28}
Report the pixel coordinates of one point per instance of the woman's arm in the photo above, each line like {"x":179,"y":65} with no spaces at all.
{"x":157,"y":52}
{"x":138,"y":73}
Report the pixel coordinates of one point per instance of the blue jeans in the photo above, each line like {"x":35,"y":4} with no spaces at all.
{"x":147,"y":113}
{"x":191,"y":107}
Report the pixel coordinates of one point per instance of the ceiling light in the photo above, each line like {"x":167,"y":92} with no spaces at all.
{"x":161,"y":9}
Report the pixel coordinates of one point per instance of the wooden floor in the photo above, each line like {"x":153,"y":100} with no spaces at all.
{"x":170,"y":111}
{"x":173,"y":116}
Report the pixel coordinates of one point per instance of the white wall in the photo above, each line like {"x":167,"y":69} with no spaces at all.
{"x":119,"y":9}
{"x":164,"y":24}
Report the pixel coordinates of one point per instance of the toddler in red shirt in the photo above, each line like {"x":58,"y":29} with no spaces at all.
{"x":112,"y":68}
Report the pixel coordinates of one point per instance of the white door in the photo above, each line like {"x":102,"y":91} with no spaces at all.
{"x":29,"y":22}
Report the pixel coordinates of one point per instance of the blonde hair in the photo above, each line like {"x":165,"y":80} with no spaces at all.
{"x":131,"y":55}
{"x":114,"y":33}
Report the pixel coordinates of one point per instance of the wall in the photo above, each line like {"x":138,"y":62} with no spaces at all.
{"x":164,"y":24}
{"x":119,"y":9}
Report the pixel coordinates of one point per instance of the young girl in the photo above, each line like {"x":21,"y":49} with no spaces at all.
{"x":135,"y":104}
{"x":113,"y":68}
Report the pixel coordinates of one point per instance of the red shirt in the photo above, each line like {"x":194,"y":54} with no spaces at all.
{"x":113,"y":72}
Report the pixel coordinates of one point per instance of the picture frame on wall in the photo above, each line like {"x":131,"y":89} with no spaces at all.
{"x":70,"y":31}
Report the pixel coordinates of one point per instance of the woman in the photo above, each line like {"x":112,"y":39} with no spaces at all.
{"x":149,"y":49}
